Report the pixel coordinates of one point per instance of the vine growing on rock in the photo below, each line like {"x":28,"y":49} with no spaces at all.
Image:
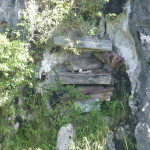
{"x":16,"y":70}
{"x":69,"y":17}
{"x":39,"y":122}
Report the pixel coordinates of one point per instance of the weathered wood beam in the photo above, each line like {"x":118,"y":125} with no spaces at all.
{"x":88,"y":90}
{"x":98,"y":77}
{"x":93,"y":102}
{"x":87,"y":43}
{"x":98,"y":92}
{"x":83,"y":63}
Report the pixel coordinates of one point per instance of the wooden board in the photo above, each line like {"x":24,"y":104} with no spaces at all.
{"x":97,"y":92}
{"x":101,"y":93}
{"x":91,"y":43}
{"x":83,"y":63}
{"x":97,"y":77}
{"x":88,"y":90}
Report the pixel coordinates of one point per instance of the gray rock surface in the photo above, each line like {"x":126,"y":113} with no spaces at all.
{"x":124,"y":43}
{"x":10,"y":11}
{"x":139,"y":27}
{"x":110,"y":143}
{"x":65,"y":137}
{"x":130,"y":33}
{"x":120,"y":133}
{"x":88,"y":105}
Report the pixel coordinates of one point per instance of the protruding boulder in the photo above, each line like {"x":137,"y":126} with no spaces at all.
{"x":88,"y":105}
{"x":110,"y":143}
{"x":65,"y":137}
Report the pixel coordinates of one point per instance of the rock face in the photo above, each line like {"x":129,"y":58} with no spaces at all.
{"x":114,"y":6}
{"x":139,"y":27}
{"x":65,"y":137}
{"x":110,"y":142}
{"x":118,"y":30}
{"x":88,"y":105}
{"x":10,"y":11}
{"x":130,"y":34}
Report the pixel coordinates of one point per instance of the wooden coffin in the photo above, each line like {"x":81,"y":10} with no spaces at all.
{"x":96,"y":77}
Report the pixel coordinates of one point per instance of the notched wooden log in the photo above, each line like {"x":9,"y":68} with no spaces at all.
{"x":112,"y":59}
{"x":85,"y":43}
{"x":96,"y":77}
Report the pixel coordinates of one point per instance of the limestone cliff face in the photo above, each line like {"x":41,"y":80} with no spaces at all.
{"x":140,"y":30}
{"x":130,"y":33}
{"x":10,"y":11}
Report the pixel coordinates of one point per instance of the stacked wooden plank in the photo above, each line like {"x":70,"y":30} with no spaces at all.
{"x":91,"y":78}
{"x":95,"y":93}
{"x":87,"y":71}
{"x":85,"y":43}
{"x":98,"y":92}
{"x":86,"y":63}
{"x":94,"y":77}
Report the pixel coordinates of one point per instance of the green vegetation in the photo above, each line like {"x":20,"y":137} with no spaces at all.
{"x":69,"y":17}
{"x":41,"y":122}
{"x":14,"y":70}
{"x":41,"y":131}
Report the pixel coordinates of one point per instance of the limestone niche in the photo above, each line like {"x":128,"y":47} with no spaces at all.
{"x":92,"y":70}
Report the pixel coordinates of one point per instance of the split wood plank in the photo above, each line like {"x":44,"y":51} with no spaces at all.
{"x":98,"y":77}
{"x":88,"y":90}
{"x":83,"y":63}
{"x":85,"y":43}
{"x":100,"y":93}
